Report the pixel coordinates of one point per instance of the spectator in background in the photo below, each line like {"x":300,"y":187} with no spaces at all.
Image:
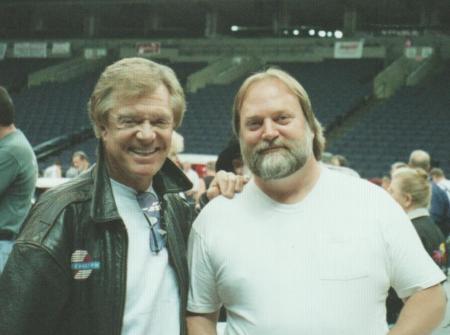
{"x":80,"y":164}
{"x":191,"y":194}
{"x":395,"y":166}
{"x":339,"y":160}
{"x":385,"y":182}
{"x":412,"y":191}
{"x":333,"y":162}
{"x":210,"y":173}
{"x":205,"y":181}
{"x":54,"y":171}
{"x":238,"y":166}
{"x":342,"y":162}
{"x":230,"y":157}
{"x":176,"y":147}
{"x":18,"y":173}
{"x":440,"y":205}
{"x":438,"y":177}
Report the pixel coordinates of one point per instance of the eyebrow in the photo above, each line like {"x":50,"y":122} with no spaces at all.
{"x":272,"y":114}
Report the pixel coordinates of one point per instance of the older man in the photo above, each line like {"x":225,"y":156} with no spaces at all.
{"x":80,"y":164}
{"x":18,"y":173}
{"x":303,"y":249}
{"x":105,"y":253}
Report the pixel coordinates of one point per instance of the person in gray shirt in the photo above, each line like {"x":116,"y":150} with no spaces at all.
{"x":18,"y":173}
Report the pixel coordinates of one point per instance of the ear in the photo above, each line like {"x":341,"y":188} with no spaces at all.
{"x":408,"y":200}
{"x":103,"y":132}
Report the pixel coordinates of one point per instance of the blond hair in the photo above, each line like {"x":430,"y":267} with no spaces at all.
{"x":131,"y":78}
{"x":296,"y":89}
{"x":415,"y":183}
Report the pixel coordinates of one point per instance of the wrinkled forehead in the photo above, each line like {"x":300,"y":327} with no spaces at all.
{"x":122,"y":98}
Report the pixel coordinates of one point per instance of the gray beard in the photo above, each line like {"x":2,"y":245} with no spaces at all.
{"x":281,"y":163}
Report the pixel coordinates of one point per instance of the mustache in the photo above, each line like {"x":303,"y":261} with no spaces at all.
{"x":261,"y":147}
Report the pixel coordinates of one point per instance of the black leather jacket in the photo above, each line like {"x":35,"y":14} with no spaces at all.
{"x":75,"y":231}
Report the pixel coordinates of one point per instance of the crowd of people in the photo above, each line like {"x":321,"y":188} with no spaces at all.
{"x":80,"y":164}
{"x":139,"y":244}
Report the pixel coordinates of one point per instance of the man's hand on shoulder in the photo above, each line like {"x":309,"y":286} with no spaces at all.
{"x":226,"y":184}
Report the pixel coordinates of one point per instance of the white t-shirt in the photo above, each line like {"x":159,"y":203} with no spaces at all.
{"x":321,"y":266}
{"x":52,"y":171}
{"x":152,"y":304}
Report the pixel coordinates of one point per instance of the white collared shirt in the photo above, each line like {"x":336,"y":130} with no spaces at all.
{"x":152,"y":304}
{"x":418,"y":212}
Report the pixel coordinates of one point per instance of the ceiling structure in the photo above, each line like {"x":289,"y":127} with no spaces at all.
{"x":135,"y":17}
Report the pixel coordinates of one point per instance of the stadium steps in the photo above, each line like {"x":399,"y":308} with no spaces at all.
{"x":348,"y":121}
{"x":63,"y":72}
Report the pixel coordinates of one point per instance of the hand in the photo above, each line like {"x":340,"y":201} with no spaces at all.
{"x":226,"y":184}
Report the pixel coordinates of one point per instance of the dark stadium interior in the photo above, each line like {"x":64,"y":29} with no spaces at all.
{"x":370,"y":129}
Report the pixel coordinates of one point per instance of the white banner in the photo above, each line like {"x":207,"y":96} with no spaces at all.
{"x":411,"y":52}
{"x":61,"y":48}
{"x":94,"y":53}
{"x":30,"y":50}
{"x":427,"y":52}
{"x":348,"y":49}
{"x":148,"y":48}
{"x":3,"y":47}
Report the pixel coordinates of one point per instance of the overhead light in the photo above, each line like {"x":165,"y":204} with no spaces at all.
{"x":329,"y":34}
{"x":322,"y":33}
{"x":311,"y":32}
{"x":286,"y":32}
{"x":296,"y":32}
{"x":234,"y":28}
{"x":338,"y":34}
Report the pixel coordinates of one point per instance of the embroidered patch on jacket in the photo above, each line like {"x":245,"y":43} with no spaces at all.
{"x":82,"y":264}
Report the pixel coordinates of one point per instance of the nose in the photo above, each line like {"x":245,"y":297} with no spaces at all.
{"x":146,"y":131}
{"x":270,"y":131}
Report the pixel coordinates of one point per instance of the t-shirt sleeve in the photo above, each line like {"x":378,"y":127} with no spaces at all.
{"x":411,"y":269}
{"x":8,"y":170}
{"x":203,"y":296}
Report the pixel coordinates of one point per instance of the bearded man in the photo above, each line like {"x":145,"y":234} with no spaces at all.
{"x":304,"y":249}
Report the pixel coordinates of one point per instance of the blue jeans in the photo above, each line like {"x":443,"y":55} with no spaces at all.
{"x":5,"y":250}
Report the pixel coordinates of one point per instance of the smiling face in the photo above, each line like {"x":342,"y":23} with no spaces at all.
{"x":275,"y":139}
{"x":137,"y":138}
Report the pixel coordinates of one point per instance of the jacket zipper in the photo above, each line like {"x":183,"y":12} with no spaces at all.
{"x":123,"y":279}
{"x":178,"y":270}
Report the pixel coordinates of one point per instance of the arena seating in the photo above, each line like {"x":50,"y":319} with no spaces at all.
{"x":53,"y":109}
{"x":184,"y":69}
{"x":334,"y":86}
{"x":14,"y":71}
{"x":207,"y":124}
{"x":384,"y":134}
{"x":415,"y":118}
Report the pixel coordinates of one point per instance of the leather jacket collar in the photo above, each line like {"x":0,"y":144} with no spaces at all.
{"x":170,"y":179}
